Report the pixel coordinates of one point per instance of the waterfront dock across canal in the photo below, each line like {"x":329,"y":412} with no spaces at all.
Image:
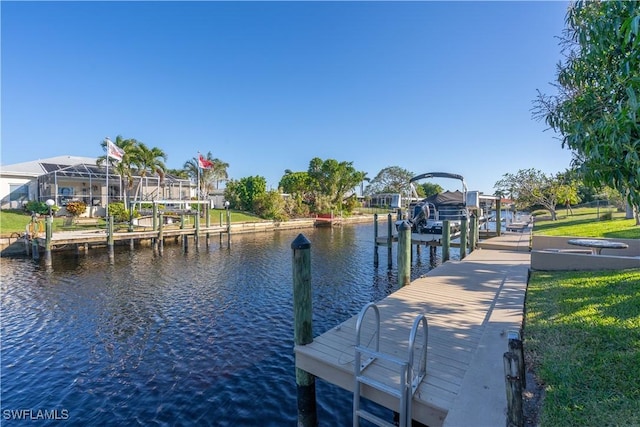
{"x":470,"y":305}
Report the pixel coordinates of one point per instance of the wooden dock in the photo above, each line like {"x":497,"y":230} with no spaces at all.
{"x":466,"y":303}
{"x":99,"y":236}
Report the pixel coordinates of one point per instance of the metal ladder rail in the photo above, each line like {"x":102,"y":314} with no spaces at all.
{"x":408,"y":383}
{"x":360,"y":366}
{"x":422,"y":367}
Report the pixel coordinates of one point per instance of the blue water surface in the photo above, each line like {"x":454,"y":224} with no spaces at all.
{"x":203,"y":337}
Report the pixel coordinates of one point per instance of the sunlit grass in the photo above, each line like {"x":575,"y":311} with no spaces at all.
{"x":589,"y":222}
{"x":582,"y":334}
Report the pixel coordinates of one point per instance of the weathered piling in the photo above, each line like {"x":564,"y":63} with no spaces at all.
{"x":498,"y":217}
{"x":110,"y":238}
{"x":154,"y":215}
{"x":446,"y":240}
{"x":389,"y":241}
{"x":514,"y":371}
{"x":464,"y":229}
{"x":35,"y":249}
{"x":197,"y":224}
{"x":404,"y":253}
{"x":207,"y":223}
{"x":375,"y":241}
{"x":228,"y":228}
{"x":160,"y":233}
{"x":472,"y":232}
{"x":47,"y":241}
{"x":303,"y":328}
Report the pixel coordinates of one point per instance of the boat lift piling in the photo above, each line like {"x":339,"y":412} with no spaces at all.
{"x":446,"y":240}
{"x":404,"y":254}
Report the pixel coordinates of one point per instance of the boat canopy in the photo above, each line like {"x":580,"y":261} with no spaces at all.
{"x":448,"y":198}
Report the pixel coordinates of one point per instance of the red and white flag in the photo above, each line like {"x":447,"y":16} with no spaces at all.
{"x":204,"y":163}
{"x":114,"y":151}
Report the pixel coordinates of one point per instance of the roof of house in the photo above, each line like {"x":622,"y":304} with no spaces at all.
{"x":71,"y":166}
{"x":36,"y":168}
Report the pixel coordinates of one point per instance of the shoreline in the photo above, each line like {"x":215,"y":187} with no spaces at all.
{"x":13,"y":246}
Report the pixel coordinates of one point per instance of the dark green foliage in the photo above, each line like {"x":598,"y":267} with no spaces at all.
{"x":39,"y":207}
{"x":241,"y":194}
{"x":597,"y":108}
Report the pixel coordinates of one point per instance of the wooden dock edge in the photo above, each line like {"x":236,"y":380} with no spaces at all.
{"x":429,"y":415}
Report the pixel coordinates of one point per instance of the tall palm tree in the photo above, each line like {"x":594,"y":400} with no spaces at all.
{"x":208,"y":177}
{"x":148,"y":160}
{"x":125,"y":167}
{"x":219,"y":171}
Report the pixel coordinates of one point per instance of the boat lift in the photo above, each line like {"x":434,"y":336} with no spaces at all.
{"x":423,"y":216}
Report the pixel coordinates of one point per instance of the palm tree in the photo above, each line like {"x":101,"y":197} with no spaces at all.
{"x":219,"y":170}
{"x":148,"y":160}
{"x":208,"y":176}
{"x":124,"y":168}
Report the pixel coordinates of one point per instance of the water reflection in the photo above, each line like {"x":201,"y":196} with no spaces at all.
{"x":198,"y":337}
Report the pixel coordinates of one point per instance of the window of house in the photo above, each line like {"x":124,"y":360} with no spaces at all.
{"x":18,"y":194}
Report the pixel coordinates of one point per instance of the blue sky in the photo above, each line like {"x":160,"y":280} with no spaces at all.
{"x":267,"y":86}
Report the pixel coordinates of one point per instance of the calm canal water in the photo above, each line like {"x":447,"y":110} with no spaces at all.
{"x":197,"y":338}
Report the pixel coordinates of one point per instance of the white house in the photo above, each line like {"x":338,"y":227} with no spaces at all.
{"x":72,"y":178}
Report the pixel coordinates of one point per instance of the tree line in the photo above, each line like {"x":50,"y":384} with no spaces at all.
{"x":596,"y":105}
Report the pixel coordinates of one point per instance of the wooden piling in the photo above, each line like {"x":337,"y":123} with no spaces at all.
{"x":303,"y":328}
{"x":472,"y":232}
{"x":47,"y":241}
{"x":498,"y":217}
{"x":228,"y":228}
{"x":154,"y":214}
{"x":110,"y":238}
{"x":207,"y":222}
{"x":375,"y":241}
{"x":389,"y":241}
{"x":464,"y":229}
{"x":513,"y":382}
{"x":160,"y":233}
{"x":404,"y":254}
{"x":197,"y":223}
{"x":446,"y":240}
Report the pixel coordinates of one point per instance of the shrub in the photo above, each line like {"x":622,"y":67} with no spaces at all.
{"x":118,"y":211}
{"x":39,"y":207}
{"x":76,"y":208}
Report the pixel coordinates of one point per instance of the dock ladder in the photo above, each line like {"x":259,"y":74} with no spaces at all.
{"x":408,"y":382}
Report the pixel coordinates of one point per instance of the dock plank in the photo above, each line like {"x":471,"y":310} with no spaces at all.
{"x":458,"y":299}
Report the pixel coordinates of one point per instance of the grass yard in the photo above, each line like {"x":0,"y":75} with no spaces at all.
{"x":585,"y":222}
{"x":582,"y":336}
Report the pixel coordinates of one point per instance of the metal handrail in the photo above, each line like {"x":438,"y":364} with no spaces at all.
{"x":408,"y":382}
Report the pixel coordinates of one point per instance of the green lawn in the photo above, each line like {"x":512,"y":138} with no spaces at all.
{"x":586,"y":223}
{"x":582,"y":333}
